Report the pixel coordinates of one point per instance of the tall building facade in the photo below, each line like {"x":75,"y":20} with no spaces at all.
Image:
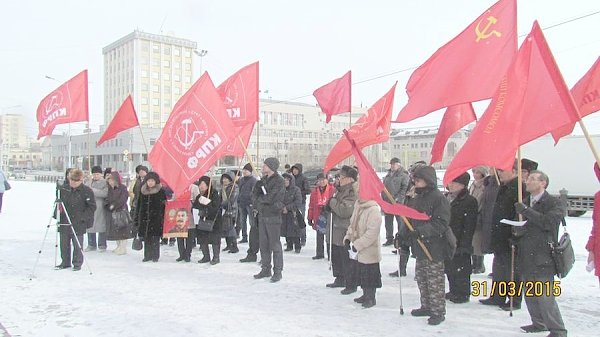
{"x":155,"y":69}
{"x":12,"y":131}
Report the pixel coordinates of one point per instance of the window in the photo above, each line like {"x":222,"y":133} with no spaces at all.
{"x":176,"y":90}
{"x":155,"y":62}
{"x":187,"y":53}
{"x":155,"y":88}
{"x":155,"y":75}
{"x":167,"y":103}
{"x":156,"y":48}
{"x":176,"y":78}
{"x":167,"y":76}
{"x":144,"y":100}
{"x":177,"y":65}
{"x":144,"y":87}
{"x":144,"y":73}
{"x":166,"y":89}
{"x":167,"y":51}
{"x":187,"y":79}
{"x":155,"y":102}
{"x":144,"y":60}
{"x":188,"y":66}
{"x":166,"y":63}
{"x":177,"y":51}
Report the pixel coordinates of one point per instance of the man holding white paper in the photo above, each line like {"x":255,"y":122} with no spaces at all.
{"x":543,"y":213}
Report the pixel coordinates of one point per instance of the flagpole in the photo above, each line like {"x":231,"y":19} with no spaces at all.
{"x":257,"y":143}
{"x":143,"y":139}
{"x":89,"y":148}
{"x":589,"y":140}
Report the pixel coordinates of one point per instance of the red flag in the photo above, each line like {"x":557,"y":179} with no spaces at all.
{"x":468,"y":68}
{"x":455,"y":118}
{"x":67,"y":104}
{"x":370,"y":186}
{"x":124,"y":119}
{"x":586,"y":94}
{"x":335,"y":97}
{"x":372,"y":128}
{"x":531,"y":101}
{"x":240,"y":96}
{"x":194,"y":137}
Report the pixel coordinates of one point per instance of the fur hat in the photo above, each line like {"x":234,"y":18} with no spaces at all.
{"x":528,"y":165}
{"x":463,"y":179}
{"x":75,"y":174}
{"x":96,"y":169}
{"x":248,"y":167}
{"x":154,"y":176}
{"x":349,"y":172}
{"x":426,"y":173}
{"x":272,"y":163}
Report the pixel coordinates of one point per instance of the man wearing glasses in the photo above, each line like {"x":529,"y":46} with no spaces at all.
{"x":76,"y":216}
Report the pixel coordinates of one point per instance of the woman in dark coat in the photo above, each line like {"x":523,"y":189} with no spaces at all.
{"x":292,"y":201}
{"x":116,"y":202}
{"x":229,"y":195}
{"x":150,"y":214}
{"x":209,"y":211}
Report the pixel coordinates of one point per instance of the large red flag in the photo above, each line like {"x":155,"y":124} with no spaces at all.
{"x":240,"y":96}
{"x":455,"y":118}
{"x":335,"y":97}
{"x":194,"y":137}
{"x":468,"y":68}
{"x":531,"y":101}
{"x":124,"y":119}
{"x":67,"y":104}
{"x":586,"y":94}
{"x":372,"y":128}
{"x":370,"y":186}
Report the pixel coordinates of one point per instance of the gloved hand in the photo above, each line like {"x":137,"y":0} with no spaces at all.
{"x":326,"y":208}
{"x":354,"y":249}
{"x":520,"y":207}
{"x":255,"y":213}
{"x":347,"y":244}
{"x":397,"y":240}
{"x":462,"y":251}
{"x":413,"y":234}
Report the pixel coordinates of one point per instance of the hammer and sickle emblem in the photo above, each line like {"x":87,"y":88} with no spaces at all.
{"x":484,"y":34}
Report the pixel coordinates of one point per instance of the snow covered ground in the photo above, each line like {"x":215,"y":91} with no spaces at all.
{"x":125,"y":297}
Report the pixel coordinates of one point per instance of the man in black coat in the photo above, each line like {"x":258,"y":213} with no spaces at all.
{"x":429,"y":273}
{"x":463,"y":217}
{"x":543,"y":213}
{"x":502,"y":238}
{"x":75,"y":218}
{"x":396,"y":182}
{"x":246,"y":184}
{"x":267,"y":197}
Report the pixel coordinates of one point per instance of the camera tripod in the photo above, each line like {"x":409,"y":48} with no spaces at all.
{"x":59,"y":208}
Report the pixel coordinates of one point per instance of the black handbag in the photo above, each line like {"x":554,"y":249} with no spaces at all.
{"x":228,"y":222}
{"x":562,"y":253}
{"x":6,"y":185}
{"x":299,"y":220}
{"x":121,"y":219}
{"x":137,"y":243}
{"x":206,"y":225}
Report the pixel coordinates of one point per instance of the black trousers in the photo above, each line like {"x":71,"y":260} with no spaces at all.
{"x":343,"y":266}
{"x":389,"y":225}
{"x":321,"y":244}
{"x":501,"y":269}
{"x":458,"y":271}
{"x":185,"y":245}
{"x":66,"y":240}
{"x":253,"y":238}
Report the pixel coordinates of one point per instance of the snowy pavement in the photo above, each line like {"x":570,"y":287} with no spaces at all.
{"x":125,"y":297}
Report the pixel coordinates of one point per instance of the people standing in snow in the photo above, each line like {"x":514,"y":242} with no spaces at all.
{"x":318,"y":215}
{"x":208,"y":203}
{"x":476,"y":190}
{"x":302,"y":183}
{"x":229,"y":195}
{"x":116,"y":201}
{"x":292,"y":202}
{"x":245,"y":216}
{"x":396,"y":182}
{"x":97,"y":234}
{"x":150,"y":210}
{"x":185,"y":245}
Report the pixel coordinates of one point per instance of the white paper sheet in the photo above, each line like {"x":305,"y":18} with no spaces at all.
{"x":514,"y":223}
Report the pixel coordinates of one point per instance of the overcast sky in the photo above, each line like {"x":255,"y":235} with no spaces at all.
{"x":301,"y":45}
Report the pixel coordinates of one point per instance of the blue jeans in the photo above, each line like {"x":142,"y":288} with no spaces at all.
{"x":101,"y":240}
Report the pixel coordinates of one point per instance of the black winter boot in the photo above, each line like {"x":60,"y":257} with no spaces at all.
{"x":205,"y":252}
{"x":249,"y":258}
{"x":216,"y":251}
{"x":276,"y":276}
{"x":478,"y":266}
{"x":361,"y":299}
{"x":233,"y":248}
{"x":337,"y":283}
{"x":263,"y":273}
{"x":297,"y":246}
{"x":289,"y":245}
{"x":369,"y":298}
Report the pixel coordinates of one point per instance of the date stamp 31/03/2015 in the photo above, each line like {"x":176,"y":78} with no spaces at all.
{"x":512,"y":288}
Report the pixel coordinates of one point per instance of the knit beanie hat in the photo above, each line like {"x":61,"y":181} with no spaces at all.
{"x":96,"y":169}
{"x":463,"y":179}
{"x":248,"y":167}
{"x":272,"y":163}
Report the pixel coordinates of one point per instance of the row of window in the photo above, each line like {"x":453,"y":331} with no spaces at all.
{"x":166,"y":49}
{"x":166,"y":76}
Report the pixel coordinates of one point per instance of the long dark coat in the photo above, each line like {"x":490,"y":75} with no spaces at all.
{"x":543,"y":220}
{"x":210,"y":212}
{"x":486,"y":212}
{"x":116,"y":201}
{"x":80,"y":206}
{"x":504,"y":208}
{"x":292,"y":201}
{"x":150,"y":209}
{"x":463,"y":217}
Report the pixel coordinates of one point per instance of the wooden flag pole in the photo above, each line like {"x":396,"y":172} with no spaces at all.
{"x":247,"y":154}
{"x":144,"y":139}
{"x":89,"y":146}
{"x":408,"y":225}
{"x":589,"y":141}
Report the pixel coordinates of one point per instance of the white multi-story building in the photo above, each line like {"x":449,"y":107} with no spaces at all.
{"x":155,"y":69}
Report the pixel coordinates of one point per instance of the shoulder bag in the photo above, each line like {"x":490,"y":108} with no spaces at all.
{"x":562,"y":252}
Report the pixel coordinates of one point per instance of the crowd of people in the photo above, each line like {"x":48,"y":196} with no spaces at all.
{"x":465,"y":223}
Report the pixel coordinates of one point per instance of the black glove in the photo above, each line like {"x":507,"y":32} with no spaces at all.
{"x":259,"y":185}
{"x":413,"y":234}
{"x":347,"y":244}
{"x":326,"y":208}
{"x":397,"y":240}
{"x":354,"y":249}
{"x":520,"y":207}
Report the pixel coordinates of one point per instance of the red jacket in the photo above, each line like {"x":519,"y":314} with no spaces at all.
{"x":593,"y":245}
{"x":317,"y":200}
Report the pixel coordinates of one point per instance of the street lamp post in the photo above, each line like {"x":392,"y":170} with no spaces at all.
{"x":201,"y":54}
